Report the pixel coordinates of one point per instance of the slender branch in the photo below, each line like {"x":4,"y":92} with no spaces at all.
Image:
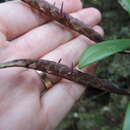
{"x":64,"y":71}
{"x":125,"y":52}
{"x":65,"y":19}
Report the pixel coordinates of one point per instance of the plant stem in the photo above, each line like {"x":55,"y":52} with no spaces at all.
{"x":65,"y":19}
{"x":64,"y":71}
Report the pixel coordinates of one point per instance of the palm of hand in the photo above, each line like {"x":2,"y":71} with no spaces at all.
{"x":21,"y":106}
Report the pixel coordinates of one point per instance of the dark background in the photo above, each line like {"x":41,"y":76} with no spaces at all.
{"x":95,"y":113}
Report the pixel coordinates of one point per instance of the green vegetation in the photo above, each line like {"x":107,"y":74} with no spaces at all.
{"x":102,"y":50}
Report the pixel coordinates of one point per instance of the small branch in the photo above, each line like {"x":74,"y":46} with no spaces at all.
{"x":65,"y":19}
{"x":64,"y":71}
{"x":126,"y":52}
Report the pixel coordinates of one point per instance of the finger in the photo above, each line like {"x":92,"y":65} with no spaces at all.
{"x":54,"y":113}
{"x":17,"y":18}
{"x":72,"y":50}
{"x":41,"y":40}
{"x":3,"y":42}
{"x":59,"y":100}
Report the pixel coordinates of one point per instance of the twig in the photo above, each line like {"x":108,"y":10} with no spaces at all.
{"x":64,"y":71}
{"x":65,"y":19}
{"x":126,"y":52}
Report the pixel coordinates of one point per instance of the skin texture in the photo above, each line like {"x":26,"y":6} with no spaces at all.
{"x":24,"y":34}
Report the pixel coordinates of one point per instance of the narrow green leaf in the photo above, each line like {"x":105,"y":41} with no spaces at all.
{"x":126,"y":125}
{"x":125,"y":4}
{"x":102,"y":50}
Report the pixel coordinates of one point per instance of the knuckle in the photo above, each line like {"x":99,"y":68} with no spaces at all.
{"x":96,"y":12}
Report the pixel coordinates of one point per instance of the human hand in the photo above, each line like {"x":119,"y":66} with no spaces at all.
{"x":24,"y":34}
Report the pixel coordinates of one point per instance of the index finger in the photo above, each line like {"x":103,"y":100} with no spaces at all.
{"x":16,"y":18}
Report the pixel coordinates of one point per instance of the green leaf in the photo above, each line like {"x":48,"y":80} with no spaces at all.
{"x":125,"y":4}
{"x":102,"y":50}
{"x":126,"y":125}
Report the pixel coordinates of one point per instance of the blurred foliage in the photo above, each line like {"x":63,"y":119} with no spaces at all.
{"x":125,"y":4}
{"x":89,"y":114}
{"x":126,"y":125}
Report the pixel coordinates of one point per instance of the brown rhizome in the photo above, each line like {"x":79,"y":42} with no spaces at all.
{"x":64,"y":71}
